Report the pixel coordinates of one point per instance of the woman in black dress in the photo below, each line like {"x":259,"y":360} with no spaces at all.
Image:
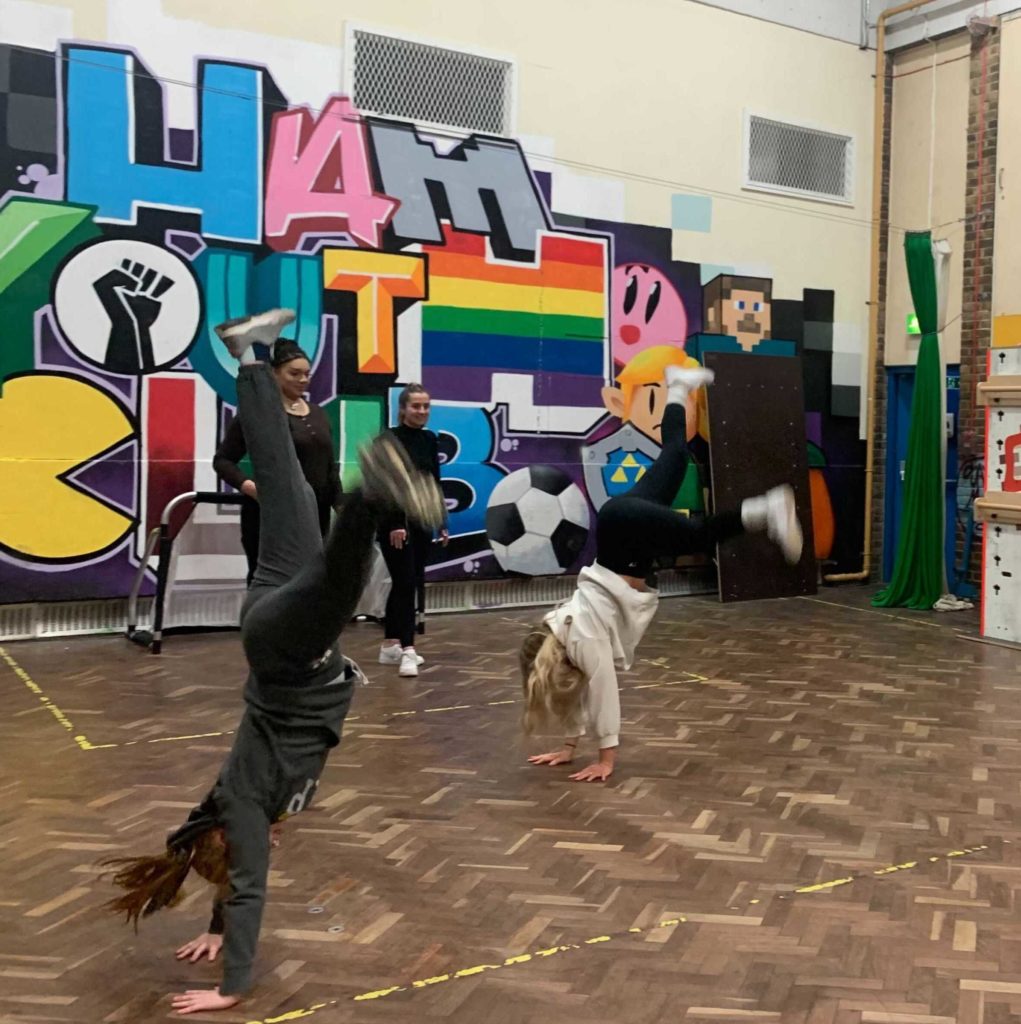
{"x":405,"y":546}
{"x":313,"y":443}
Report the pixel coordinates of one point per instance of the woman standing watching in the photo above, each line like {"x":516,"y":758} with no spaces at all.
{"x":313,"y":444}
{"x":405,"y":546}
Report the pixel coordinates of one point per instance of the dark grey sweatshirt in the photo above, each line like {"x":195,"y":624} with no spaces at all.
{"x":271,"y":772}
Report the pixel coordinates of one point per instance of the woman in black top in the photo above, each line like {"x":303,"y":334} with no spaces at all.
{"x":405,"y":546}
{"x":299,"y":685}
{"x":313,"y":443}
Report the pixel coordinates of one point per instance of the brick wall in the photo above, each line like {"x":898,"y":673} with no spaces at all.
{"x":879,"y":381}
{"x":976,"y":327}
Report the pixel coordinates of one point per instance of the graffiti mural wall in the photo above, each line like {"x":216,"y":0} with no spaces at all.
{"x":123,"y":241}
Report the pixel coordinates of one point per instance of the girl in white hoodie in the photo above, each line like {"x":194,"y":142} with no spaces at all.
{"x":569,"y":663}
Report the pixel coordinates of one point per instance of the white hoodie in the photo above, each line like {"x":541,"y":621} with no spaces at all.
{"x":600,"y":626}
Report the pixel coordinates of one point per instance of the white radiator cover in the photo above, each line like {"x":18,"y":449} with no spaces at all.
{"x":214,"y":608}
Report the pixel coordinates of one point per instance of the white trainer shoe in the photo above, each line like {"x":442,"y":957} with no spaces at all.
{"x":782,"y":524}
{"x":240,"y":334}
{"x":409,"y":662}
{"x":391,"y":654}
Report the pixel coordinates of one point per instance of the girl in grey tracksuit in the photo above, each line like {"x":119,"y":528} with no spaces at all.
{"x":298,"y":690}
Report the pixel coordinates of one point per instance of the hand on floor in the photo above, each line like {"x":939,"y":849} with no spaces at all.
{"x":205,"y":945}
{"x":564,"y":756}
{"x":196,"y":1000}
{"x":596,"y":772}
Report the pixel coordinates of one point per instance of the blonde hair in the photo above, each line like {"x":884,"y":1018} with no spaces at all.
{"x":552,"y":683}
{"x":648,"y":367}
{"x":152,"y":883}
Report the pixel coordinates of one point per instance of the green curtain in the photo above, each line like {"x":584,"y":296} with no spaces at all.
{"x":917,"y":580}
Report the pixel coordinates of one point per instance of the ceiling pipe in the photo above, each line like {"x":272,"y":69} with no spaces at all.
{"x":879,"y":126}
{"x":864,"y":25}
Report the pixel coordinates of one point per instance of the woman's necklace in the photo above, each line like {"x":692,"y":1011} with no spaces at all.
{"x":294,"y":406}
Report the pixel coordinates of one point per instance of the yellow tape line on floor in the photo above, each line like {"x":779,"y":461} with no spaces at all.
{"x":35,"y":689}
{"x":85,"y":744}
{"x":542,"y":954}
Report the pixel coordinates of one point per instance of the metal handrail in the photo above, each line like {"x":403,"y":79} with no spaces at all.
{"x":160,"y":536}
{"x":136,"y":587}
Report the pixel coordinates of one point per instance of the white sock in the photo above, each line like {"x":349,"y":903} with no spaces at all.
{"x":681,"y":381}
{"x":677,"y":393}
{"x":754,"y":514}
{"x":247,"y":358}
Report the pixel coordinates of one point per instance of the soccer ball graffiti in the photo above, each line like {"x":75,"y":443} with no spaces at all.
{"x":537,"y":521}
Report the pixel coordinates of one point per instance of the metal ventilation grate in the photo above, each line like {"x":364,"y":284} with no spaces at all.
{"x":66,"y":618}
{"x":795,"y":160}
{"x":484,"y":595}
{"x":431,"y":84}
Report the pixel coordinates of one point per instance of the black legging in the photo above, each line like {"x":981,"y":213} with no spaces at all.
{"x":303,"y":591}
{"x":636,"y":528}
{"x":406,"y":566}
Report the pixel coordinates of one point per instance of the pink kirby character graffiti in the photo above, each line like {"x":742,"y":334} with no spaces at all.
{"x":645,"y":310}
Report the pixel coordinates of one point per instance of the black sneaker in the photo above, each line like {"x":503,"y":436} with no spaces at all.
{"x":390,"y":478}
{"x":240,"y":334}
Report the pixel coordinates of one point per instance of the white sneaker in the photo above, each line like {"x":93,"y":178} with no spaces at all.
{"x":391,"y":654}
{"x":409,"y":662}
{"x":782,"y":524}
{"x":240,"y":334}
{"x":681,"y":381}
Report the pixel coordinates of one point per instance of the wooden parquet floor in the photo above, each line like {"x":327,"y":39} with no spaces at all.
{"x":870,"y":759}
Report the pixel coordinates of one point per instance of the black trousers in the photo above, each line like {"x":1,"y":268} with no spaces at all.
{"x":636,"y":528}
{"x":406,"y":566}
{"x":303,"y":590}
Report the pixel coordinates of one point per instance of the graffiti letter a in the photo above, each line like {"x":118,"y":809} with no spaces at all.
{"x":318,"y":180}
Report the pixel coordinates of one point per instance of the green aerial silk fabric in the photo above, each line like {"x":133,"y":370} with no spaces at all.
{"x":917,"y":580}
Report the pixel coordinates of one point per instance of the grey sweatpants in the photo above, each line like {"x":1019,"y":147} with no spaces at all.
{"x":304,"y":590}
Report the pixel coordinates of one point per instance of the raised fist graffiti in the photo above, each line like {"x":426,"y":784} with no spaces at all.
{"x":129,"y":307}
{"x":132,"y":295}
